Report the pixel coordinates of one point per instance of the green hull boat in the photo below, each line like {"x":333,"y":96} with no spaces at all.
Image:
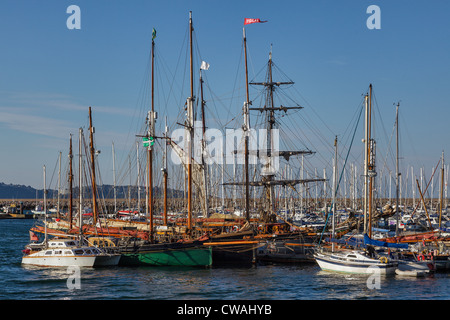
{"x":168,"y":254}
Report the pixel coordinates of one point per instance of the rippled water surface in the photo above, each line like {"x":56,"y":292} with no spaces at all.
{"x":263,"y":282}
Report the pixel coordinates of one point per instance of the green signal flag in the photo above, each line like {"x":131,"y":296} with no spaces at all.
{"x":148,"y":142}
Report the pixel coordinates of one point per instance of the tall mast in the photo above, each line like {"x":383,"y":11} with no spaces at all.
{"x":114,"y":177}
{"x":370,"y":162}
{"x":165,"y":173}
{"x":205,"y":171}
{"x":58,"y":213}
{"x":151,"y":134}
{"x":369,"y":165}
{"x":70,"y":183}
{"x":246,"y":129}
{"x":45,"y":206}
{"x":190,"y":127}
{"x":441,"y":193}
{"x":138,"y":178}
{"x":334,"y":189}
{"x":80,"y":173}
{"x":397,"y":174}
{"x":366,"y":161}
{"x":94,"y":186}
{"x":270,"y":125}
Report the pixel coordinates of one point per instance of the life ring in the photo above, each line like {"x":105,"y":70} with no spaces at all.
{"x":383,"y":260}
{"x":421,"y":257}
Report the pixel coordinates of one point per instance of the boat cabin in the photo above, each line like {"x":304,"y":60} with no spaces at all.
{"x":62,"y":243}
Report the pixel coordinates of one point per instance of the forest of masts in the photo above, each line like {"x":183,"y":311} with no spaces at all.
{"x":309,"y":198}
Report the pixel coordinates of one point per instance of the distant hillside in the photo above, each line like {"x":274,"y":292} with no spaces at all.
{"x":14,"y":191}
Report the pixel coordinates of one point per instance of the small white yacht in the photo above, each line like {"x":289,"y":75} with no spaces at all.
{"x":65,"y":253}
{"x":354,"y":261}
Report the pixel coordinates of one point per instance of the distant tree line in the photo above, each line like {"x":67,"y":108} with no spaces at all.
{"x":15,"y":191}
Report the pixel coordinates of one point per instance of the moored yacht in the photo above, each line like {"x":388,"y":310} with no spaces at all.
{"x":65,"y":253}
{"x":355,"y":261}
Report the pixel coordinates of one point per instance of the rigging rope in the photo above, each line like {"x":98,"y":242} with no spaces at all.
{"x":339,"y":181}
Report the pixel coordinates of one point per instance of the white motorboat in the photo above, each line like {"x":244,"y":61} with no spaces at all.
{"x":65,"y":253}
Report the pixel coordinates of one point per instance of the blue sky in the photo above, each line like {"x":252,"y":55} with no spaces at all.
{"x":50,"y":75}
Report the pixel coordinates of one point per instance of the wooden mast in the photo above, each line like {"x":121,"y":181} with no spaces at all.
{"x":205,"y":171}
{"x":58,"y":212}
{"x":369,"y":166}
{"x":335,"y":183}
{"x":94,"y":186}
{"x":151,"y":131}
{"x":370,"y":162}
{"x":397,"y":174}
{"x":165,"y":173}
{"x":246,"y":129}
{"x":114,"y":178}
{"x":190,"y":126}
{"x":45,"y":207}
{"x":70,"y":183}
{"x":441,"y":193}
{"x":80,"y":175}
{"x":366,"y":162}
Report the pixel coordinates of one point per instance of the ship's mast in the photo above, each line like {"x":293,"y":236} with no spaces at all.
{"x":164,"y":170}
{"x":335,"y":183}
{"x":80,"y":174}
{"x":151,"y":135}
{"x":246,"y":128}
{"x":190,"y":128}
{"x":397,"y":174}
{"x":372,"y":172}
{"x":369,"y":165}
{"x":94,"y":186}
{"x":441,"y":193}
{"x":45,"y":206}
{"x":269,"y":108}
{"x":70,"y":183}
{"x":205,"y":171}
{"x":58,"y":212}
{"x":114,"y":178}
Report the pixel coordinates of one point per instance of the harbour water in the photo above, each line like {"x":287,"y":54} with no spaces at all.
{"x":261,"y":282}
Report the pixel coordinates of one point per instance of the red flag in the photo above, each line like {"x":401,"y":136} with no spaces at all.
{"x":248,"y":21}
{"x":33,"y":236}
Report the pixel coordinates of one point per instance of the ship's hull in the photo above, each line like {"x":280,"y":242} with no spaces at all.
{"x":42,"y":261}
{"x":168,"y":255}
{"x":328,"y":262}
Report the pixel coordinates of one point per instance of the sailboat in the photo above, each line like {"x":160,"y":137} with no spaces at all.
{"x":187,"y":251}
{"x":276,"y":240}
{"x":65,"y":252}
{"x":359,"y":260}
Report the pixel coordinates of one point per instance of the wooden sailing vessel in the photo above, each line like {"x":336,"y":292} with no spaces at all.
{"x":155,"y":251}
{"x":268,"y":242}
